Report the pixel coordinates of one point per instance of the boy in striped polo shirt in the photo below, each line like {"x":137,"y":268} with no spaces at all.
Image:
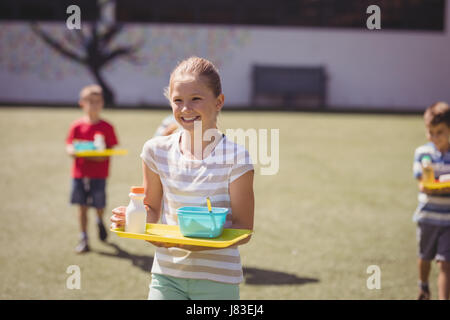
{"x":433,"y":211}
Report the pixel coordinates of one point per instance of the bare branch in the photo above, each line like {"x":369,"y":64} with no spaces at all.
{"x":128,"y":51}
{"x":81,"y":36}
{"x":72,"y":39}
{"x":109,"y":34}
{"x":56,"y":45}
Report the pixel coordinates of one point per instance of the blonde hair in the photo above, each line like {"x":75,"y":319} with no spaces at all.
{"x":91,"y":89}
{"x":199,"y":67}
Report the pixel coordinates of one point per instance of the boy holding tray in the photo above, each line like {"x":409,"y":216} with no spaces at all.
{"x":90,"y":173}
{"x":433,"y":212}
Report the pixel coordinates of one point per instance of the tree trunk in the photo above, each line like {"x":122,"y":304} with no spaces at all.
{"x":108,"y":93}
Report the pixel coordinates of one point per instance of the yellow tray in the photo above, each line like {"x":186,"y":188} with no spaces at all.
{"x":437,"y":185}
{"x":171,"y":234}
{"x":104,"y":153}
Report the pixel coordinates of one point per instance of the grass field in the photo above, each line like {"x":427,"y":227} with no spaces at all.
{"x":342,"y":201}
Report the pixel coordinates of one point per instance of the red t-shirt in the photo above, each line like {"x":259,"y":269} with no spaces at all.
{"x":82,"y":130}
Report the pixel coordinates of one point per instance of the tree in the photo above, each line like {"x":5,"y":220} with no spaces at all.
{"x":92,"y":47}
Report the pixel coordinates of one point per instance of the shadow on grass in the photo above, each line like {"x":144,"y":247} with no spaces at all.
{"x":143,"y":262}
{"x":256,"y":276}
{"x":253,"y":276}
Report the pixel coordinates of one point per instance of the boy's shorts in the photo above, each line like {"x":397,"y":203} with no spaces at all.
{"x":434,"y":242}
{"x":89,"y":192}
{"x":163,"y":287}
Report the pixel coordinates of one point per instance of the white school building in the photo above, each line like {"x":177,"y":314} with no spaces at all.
{"x":365,"y":69}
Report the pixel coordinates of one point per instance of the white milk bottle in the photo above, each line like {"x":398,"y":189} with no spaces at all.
{"x":427,"y":170}
{"x":99,"y":141}
{"x":136,"y":214}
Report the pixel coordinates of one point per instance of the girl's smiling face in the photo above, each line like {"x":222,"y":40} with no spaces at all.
{"x":192,"y":100}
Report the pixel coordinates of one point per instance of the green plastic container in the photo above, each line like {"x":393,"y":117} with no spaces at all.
{"x":198,"y":221}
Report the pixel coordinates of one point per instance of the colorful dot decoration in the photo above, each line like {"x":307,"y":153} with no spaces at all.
{"x":160,"y":48}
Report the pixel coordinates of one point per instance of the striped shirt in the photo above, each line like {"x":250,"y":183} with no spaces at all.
{"x":433,"y":209}
{"x":187,"y":182}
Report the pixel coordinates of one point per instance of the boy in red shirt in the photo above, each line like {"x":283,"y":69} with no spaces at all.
{"x":89,"y":173}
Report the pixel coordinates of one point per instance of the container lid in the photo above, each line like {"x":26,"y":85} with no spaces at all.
{"x":135,"y":189}
{"x":426,"y":159}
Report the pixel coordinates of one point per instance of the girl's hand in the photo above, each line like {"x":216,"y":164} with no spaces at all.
{"x":118,"y":217}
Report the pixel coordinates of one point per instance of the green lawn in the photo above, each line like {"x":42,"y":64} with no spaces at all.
{"x":342,"y":201}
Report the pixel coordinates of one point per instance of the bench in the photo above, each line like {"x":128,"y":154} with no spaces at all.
{"x":289,"y":87}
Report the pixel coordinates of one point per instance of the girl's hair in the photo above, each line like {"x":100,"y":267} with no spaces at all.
{"x":437,"y":113}
{"x":197,"y":67}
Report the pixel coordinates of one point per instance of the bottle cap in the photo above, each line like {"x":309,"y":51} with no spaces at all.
{"x":139,"y":190}
{"x":426,"y":159}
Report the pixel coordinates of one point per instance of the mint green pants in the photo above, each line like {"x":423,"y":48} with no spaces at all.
{"x":164,"y":287}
